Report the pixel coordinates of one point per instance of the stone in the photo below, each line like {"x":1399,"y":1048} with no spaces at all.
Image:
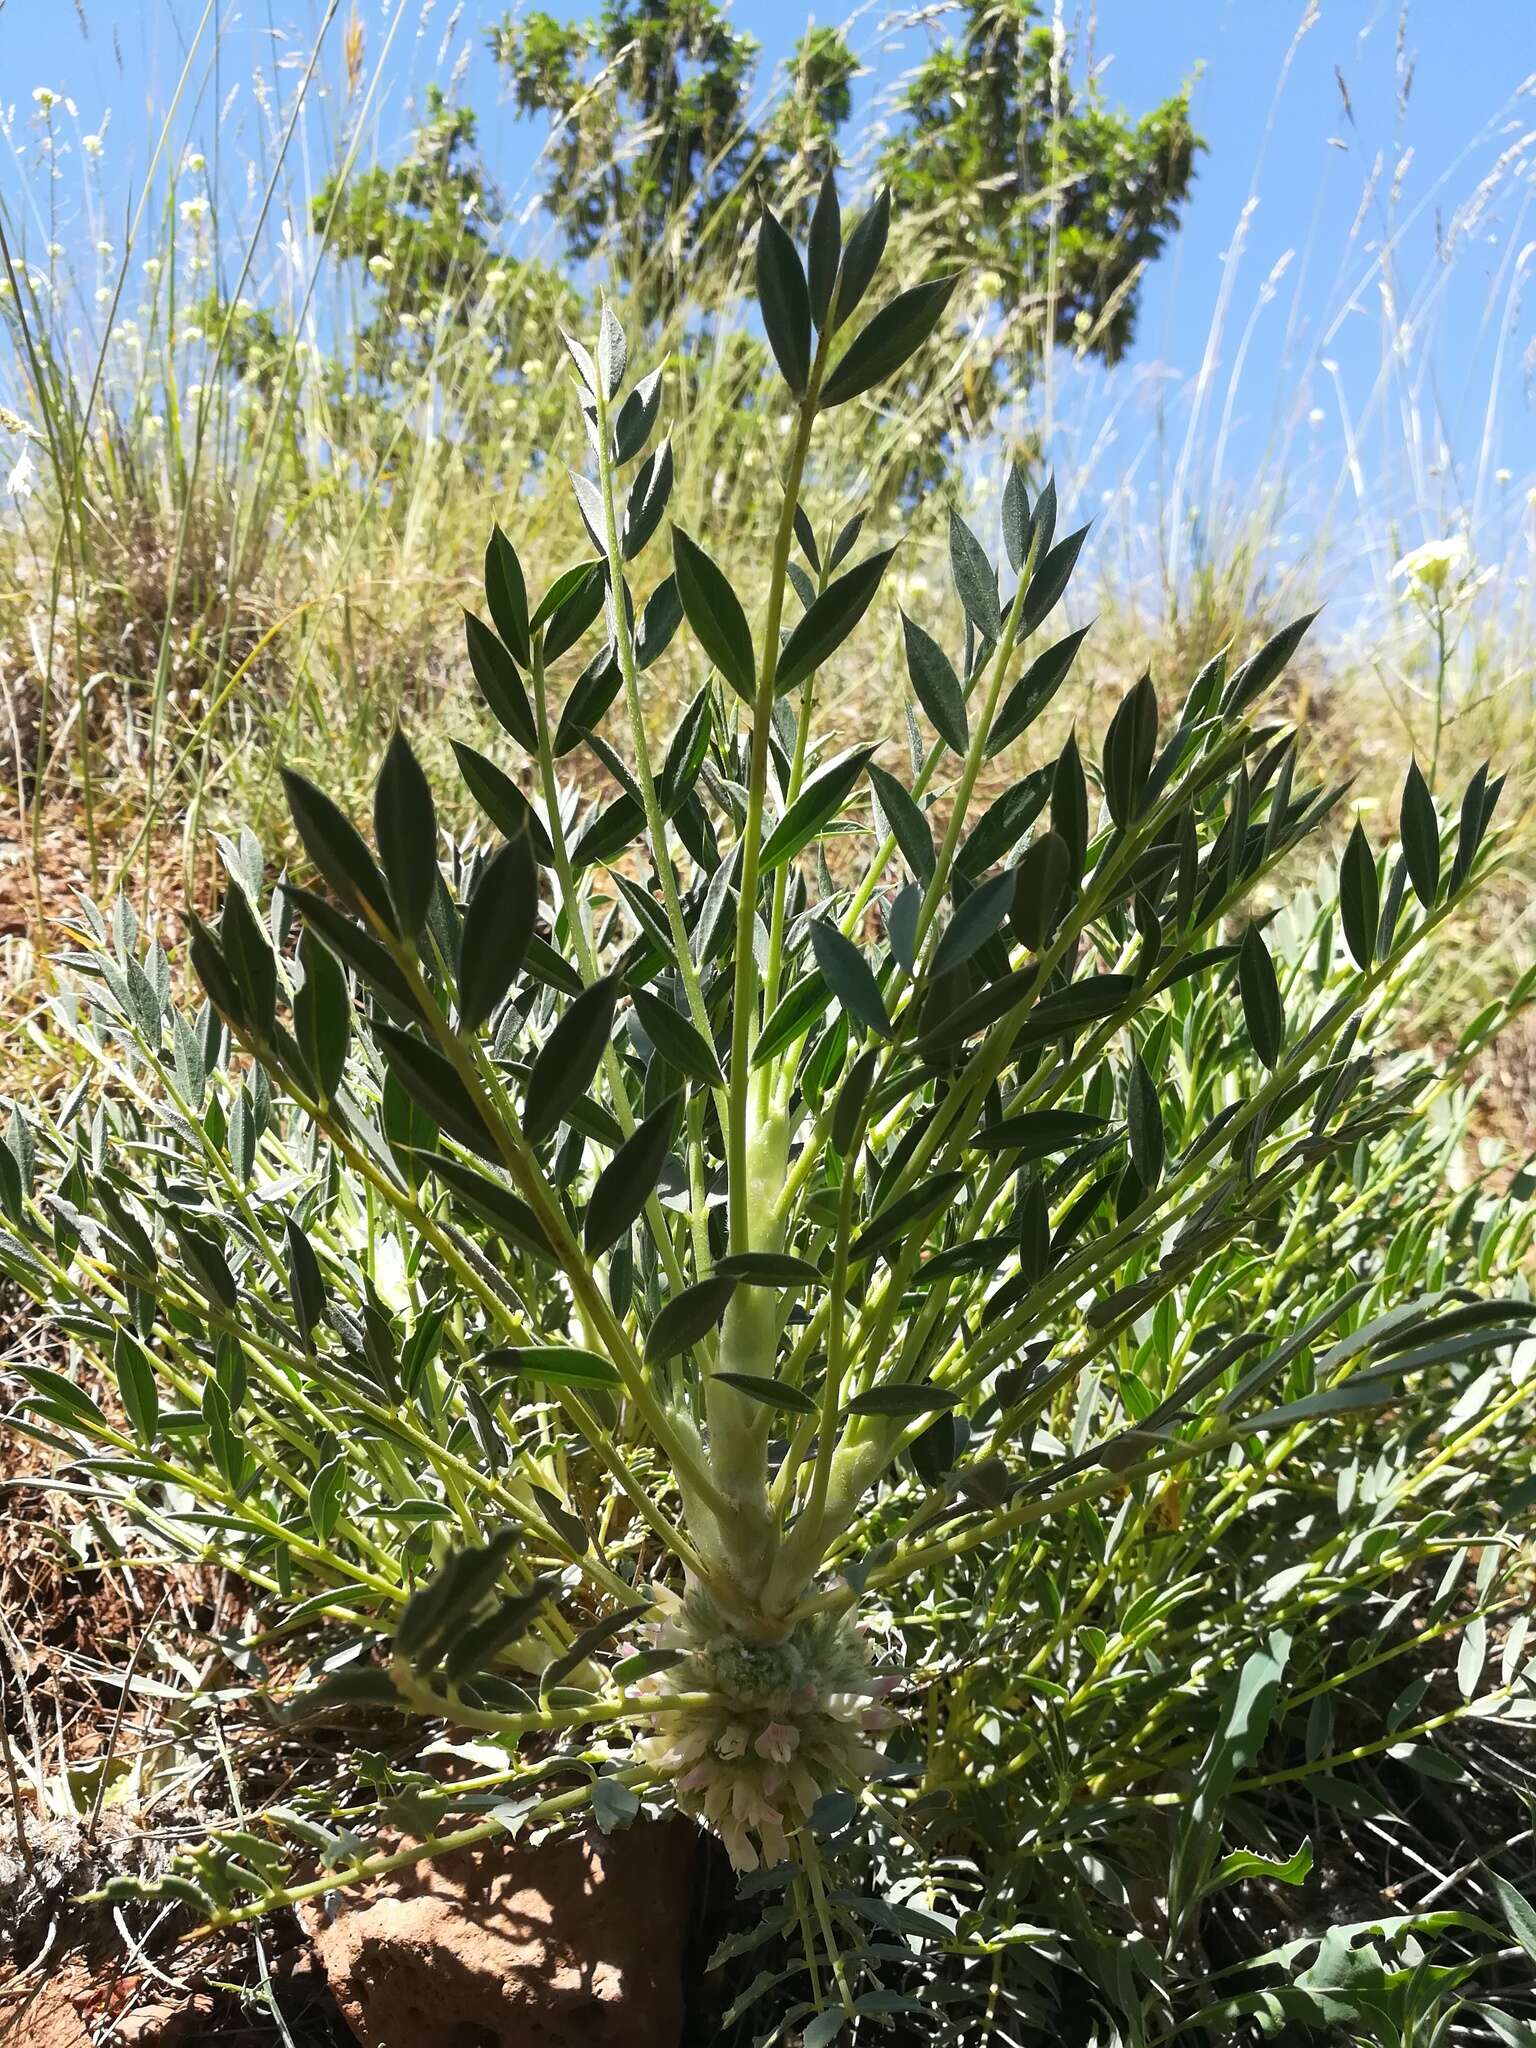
{"x":575,"y":1943}
{"x":48,"y":2020}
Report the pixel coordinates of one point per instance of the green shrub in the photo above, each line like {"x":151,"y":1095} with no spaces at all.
{"x":633,"y":1290}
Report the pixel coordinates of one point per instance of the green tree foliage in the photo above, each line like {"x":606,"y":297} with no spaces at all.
{"x":1011,"y":166}
{"x":652,"y":155}
{"x":1000,"y":162}
{"x":427,"y":230}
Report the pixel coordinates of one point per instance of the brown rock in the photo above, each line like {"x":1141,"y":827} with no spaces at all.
{"x":570,"y":1944}
{"x":47,"y":2021}
{"x":165,"y":2025}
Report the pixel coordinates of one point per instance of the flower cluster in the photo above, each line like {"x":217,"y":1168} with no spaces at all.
{"x":782,"y":1723}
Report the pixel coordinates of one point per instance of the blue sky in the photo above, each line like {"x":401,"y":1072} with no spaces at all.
{"x":1340,"y":166}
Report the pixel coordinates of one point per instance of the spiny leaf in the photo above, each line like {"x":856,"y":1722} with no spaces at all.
{"x":902,"y":1403}
{"x":769,"y":1269}
{"x":772,"y":1393}
{"x":1145,"y":1121}
{"x":136,"y":1384}
{"x":906,"y":823}
{"x":360,"y":950}
{"x":861,"y":256}
{"x":560,"y":1365}
{"x":1033,"y":691}
{"x":649,"y":496}
{"x":612,"y":352}
{"x":1257,"y":673}
{"x":1049,"y":581}
{"x":1016,"y":517}
{"x":322,"y":1014}
{"x":1359,"y":897}
{"x":506,"y":595}
{"x":574,"y":614}
{"x":1129,"y":747}
{"x":1041,"y":880}
{"x":431,"y":1082}
{"x":637,"y":416}
{"x":502,"y":801}
{"x":974,"y":921}
{"x":825,"y":249}
{"x":1420,"y":827}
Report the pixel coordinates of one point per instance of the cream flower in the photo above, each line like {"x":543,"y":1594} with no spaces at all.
{"x":777,"y":1723}
{"x":1430,"y":565}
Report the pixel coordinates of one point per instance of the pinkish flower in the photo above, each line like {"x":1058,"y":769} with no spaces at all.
{"x":778,"y":1742}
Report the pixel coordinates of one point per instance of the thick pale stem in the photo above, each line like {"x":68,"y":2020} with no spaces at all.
{"x":738,"y":1425}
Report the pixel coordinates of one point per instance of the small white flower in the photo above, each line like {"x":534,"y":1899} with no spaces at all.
{"x":1316,"y":416}
{"x":381,"y":265}
{"x":1430,"y":565}
{"x":1501,"y":476}
{"x":22,"y":480}
{"x":152,"y":268}
{"x":46,"y":97}
{"x":197,"y":162}
{"x":194,"y":209}
{"x":91,"y":144}
{"x":103,"y":249}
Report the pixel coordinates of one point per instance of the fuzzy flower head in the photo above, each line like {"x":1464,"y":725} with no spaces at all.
{"x":1430,"y":566}
{"x":779,"y":1725}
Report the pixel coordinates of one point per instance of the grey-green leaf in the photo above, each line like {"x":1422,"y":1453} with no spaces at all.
{"x":851,"y":977}
{"x":895,"y":333}
{"x":498,"y":924}
{"x":783,"y":295}
{"x":714,"y":611}
{"x":829,"y":620}
{"x":814,"y":808}
{"x":405,"y":825}
{"x":688,"y":1317}
{"x":629,"y":1179}
{"x":936,"y":686}
{"x":1260,"y":993}
{"x":569,"y":1057}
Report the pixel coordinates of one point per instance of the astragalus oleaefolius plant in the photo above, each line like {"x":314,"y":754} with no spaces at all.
{"x":590,"y":1270}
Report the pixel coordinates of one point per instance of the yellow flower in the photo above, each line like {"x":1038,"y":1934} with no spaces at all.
{"x":1429,"y":566}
